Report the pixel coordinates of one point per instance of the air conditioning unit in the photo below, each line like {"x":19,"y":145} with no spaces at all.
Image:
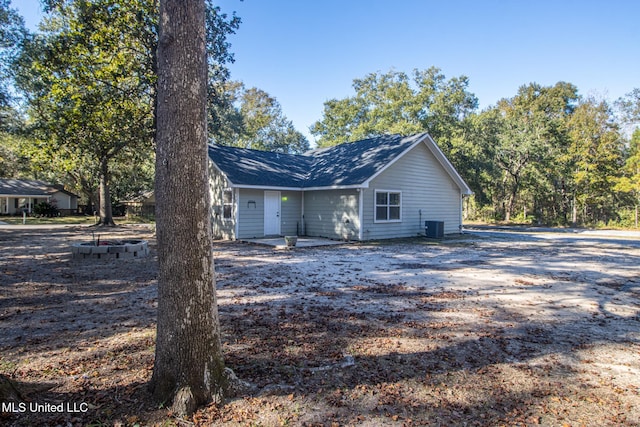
{"x":434,"y":229}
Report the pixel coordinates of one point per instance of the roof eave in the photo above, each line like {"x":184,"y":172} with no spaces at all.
{"x":266,"y":187}
{"x":336,"y":187}
{"x":26,"y":195}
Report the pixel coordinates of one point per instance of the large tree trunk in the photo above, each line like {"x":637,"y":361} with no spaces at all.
{"x":106,"y":215}
{"x":8,"y":392}
{"x":511,"y":202}
{"x":189,"y":368}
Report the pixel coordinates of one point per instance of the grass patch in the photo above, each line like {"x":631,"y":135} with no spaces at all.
{"x":71,"y":220}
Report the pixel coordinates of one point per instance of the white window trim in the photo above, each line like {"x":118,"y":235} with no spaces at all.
{"x":232,"y":204}
{"x":375,"y":206}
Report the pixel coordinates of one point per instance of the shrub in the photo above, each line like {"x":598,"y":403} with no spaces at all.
{"x":45,"y":209}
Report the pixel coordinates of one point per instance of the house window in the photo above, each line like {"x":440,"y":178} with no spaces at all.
{"x":227,"y":204}
{"x":388,"y":206}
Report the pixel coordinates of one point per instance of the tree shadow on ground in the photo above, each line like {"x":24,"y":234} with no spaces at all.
{"x":365,"y":350}
{"x":494,"y":375}
{"x":47,"y":296}
{"x":387,"y":340}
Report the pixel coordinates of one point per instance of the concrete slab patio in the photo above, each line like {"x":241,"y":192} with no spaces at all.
{"x":303,"y":242}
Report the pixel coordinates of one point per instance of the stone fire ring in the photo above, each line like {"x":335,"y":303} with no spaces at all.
{"x":111,"y":249}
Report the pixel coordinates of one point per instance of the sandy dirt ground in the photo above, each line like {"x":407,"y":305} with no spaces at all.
{"x":485,"y":329}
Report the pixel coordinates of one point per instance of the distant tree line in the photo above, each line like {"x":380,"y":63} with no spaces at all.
{"x":78,"y":102}
{"x":546,"y":155}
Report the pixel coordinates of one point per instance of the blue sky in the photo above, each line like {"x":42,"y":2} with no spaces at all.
{"x":307,"y":52}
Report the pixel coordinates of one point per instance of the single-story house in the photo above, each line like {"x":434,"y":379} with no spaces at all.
{"x":18,"y":195}
{"x":377,"y":188}
{"x":143,"y":204}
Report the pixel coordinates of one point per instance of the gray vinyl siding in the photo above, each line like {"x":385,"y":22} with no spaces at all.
{"x":222,"y":228}
{"x":64,"y":201}
{"x":291,"y":207}
{"x":332,"y":214}
{"x":428,"y":194}
{"x":251,"y":213}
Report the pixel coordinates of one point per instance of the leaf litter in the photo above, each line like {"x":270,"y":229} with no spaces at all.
{"x":470,"y":331}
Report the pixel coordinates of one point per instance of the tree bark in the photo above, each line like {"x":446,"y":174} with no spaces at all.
{"x":8,"y":392}
{"x":189,"y":367}
{"x":106,"y":214}
{"x":511,"y":203}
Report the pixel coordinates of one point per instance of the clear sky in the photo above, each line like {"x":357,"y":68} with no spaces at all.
{"x":305,"y":52}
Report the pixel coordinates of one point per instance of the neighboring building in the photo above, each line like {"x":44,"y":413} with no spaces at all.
{"x":377,"y":188}
{"x":17,"y":195}
{"x":141,"y":205}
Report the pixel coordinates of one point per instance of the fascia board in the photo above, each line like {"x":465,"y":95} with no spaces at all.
{"x":337,"y":187}
{"x":267,"y":187}
{"x":22,"y":196}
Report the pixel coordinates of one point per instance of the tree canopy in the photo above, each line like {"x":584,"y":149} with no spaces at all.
{"x":89,"y":78}
{"x":87,"y":86}
{"x":12,"y":33}
{"x":546,"y":154}
{"x":89,"y":82}
{"x":251,"y":118}
{"x":393,"y":102}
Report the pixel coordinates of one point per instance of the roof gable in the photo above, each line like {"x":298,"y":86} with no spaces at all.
{"x":354,"y":163}
{"x":351,"y":164}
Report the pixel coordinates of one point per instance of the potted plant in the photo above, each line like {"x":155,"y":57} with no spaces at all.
{"x":291,"y":240}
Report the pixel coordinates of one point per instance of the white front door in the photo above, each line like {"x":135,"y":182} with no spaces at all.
{"x":271,"y":213}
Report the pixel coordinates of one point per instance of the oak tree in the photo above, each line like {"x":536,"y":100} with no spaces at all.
{"x":251,"y":118}
{"x":189,"y":367}
{"x":89,"y":81}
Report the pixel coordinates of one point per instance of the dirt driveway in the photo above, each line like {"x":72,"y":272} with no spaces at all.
{"x":485,"y":329}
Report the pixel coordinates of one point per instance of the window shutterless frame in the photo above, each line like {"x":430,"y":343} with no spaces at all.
{"x":227,"y":205}
{"x":387,"y":206}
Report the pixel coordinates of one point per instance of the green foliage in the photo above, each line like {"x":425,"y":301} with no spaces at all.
{"x":255,"y":120}
{"x":545,"y":155}
{"x":12,"y":32}
{"x":531,"y":132}
{"x":630,"y":106}
{"x":595,"y":156}
{"x":14,"y":156}
{"x":395,"y":103}
{"x":89,"y":79}
{"x":45,"y":209}
{"x":426,"y":101}
{"x":629,"y":181}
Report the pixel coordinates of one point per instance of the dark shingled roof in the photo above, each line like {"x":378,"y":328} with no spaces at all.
{"x":347,"y":164}
{"x":24,"y":187}
{"x":243,"y":166}
{"x":354,"y":163}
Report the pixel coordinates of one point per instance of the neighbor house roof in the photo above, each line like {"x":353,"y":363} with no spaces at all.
{"x":342,"y":166}
{"x":28,"y":188}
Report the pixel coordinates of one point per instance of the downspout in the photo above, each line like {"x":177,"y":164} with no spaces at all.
{"x":236,"y":205}
{"x":303,"y":232}
{"x":361,"y":213}
{"x":461,"y":211}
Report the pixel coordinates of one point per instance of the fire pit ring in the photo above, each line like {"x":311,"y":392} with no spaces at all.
{"x":111,"y":249}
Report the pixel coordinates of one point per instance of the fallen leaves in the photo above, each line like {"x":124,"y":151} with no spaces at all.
{"x":325,"y":340}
